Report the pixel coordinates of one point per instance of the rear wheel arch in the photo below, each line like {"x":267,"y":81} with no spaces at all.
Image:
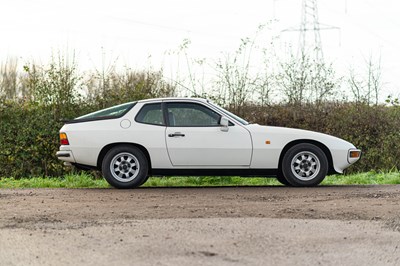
{"x":325,"y":149}
{"x":108,"y":147}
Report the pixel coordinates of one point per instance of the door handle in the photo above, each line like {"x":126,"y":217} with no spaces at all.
{"x":176,"y":134}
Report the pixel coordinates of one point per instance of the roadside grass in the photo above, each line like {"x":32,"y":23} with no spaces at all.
{"x":367,"y":178}
{"x":88,"y":181}
{"x":67,"y":181}
{"x":209,"y":181}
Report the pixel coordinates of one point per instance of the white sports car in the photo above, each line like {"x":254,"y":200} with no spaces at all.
{"x":194,"y":137}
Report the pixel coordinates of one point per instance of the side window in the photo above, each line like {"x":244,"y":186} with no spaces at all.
{"x":150,"y":114}
{"x":191,"y":115}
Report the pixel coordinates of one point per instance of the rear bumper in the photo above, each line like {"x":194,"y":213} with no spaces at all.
{"x":66,"y":156}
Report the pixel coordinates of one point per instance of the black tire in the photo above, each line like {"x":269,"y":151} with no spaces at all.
{"x":282,"y":180}
{"x":304,"y":165}
{"x":145,"y":180}
{"x":125,"y":167}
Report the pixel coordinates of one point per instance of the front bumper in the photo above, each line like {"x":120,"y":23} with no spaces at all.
{"x":353,"y":155}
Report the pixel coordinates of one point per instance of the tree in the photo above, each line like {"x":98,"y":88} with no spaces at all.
{"x":241,"y":79}
{"x":306,"y":79}
{"x":9,"y":79}
{"x":366,"y":87}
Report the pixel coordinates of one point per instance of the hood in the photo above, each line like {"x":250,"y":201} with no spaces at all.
{"x":290,"y":134}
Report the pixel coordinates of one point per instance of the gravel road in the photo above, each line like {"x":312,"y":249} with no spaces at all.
{"x":338,"y":225}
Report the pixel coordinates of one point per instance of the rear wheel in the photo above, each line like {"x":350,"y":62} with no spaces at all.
{"x":304,"y":165}
{"x":145,"y":180}
{"x":125,"y":167}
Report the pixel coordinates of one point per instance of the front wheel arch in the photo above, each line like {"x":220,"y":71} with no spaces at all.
{"x":331,"y":169}
{"x":305,"y":165}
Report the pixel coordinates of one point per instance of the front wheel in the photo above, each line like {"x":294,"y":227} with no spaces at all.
{"x":282,"y":179}
{"x":125,"y":167}
{"x":304,"y":165}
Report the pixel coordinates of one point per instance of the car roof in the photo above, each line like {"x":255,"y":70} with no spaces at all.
{"x":174,"y":99}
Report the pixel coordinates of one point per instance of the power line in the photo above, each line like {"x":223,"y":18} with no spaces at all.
{"x":310,"y":24}
{"x":171,"y":28}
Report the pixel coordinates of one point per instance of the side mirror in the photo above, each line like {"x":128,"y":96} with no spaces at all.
{"x":224,"y":122}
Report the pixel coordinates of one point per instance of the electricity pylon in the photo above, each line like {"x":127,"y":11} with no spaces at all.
{"x":310,"y":38}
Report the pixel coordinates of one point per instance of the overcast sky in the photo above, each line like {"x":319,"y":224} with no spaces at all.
{"x":133,"y":30}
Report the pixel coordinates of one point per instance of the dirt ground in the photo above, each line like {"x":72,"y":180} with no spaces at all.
{"x":338,"y":225}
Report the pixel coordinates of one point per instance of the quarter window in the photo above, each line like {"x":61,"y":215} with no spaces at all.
{"x":151,"y":114}
{"x":191,"y":115}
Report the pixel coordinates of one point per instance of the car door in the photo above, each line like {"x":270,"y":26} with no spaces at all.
{"x":194,"y":138}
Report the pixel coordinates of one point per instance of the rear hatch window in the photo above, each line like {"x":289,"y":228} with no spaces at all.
{"x":108,"y":113}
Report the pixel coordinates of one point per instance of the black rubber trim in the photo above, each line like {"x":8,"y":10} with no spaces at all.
{"x":63,"y":155}
{"x":215,"y":172}
{"x":85,"y":167}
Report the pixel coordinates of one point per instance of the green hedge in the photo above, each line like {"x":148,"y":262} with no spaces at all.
{"x":30,"y":118}
{"x":374,"y":129}
{"x":29,"y":132}
{"x":29,"y":140}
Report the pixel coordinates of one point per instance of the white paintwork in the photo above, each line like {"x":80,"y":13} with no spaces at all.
{"x":125,"y":124}
{"x":268,"y":154}
{"x":209,"y":146}
{"x":242,"y":146}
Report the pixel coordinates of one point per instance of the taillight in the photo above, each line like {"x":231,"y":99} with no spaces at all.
{"x":63,"y":139}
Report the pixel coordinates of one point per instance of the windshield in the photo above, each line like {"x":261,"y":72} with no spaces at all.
{"x":112,"y":112}
{"x":231,"y":115}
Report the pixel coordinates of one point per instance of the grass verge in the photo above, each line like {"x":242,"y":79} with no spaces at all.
{"x":68,"y":181}
{"x":88,"y":181}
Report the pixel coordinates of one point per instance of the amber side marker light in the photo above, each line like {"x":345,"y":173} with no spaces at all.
{"x":355,"y":154}
{"x":63,"y":139}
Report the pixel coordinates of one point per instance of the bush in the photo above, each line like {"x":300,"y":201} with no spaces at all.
{"x":29,"y":140}
{"x":29,"y":132}
{"x":30,"y":122}
{"x":29,"y":125}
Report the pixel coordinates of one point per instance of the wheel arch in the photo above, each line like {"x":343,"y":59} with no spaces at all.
{"x":108,"y":147}
{"x":325,"y":149}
